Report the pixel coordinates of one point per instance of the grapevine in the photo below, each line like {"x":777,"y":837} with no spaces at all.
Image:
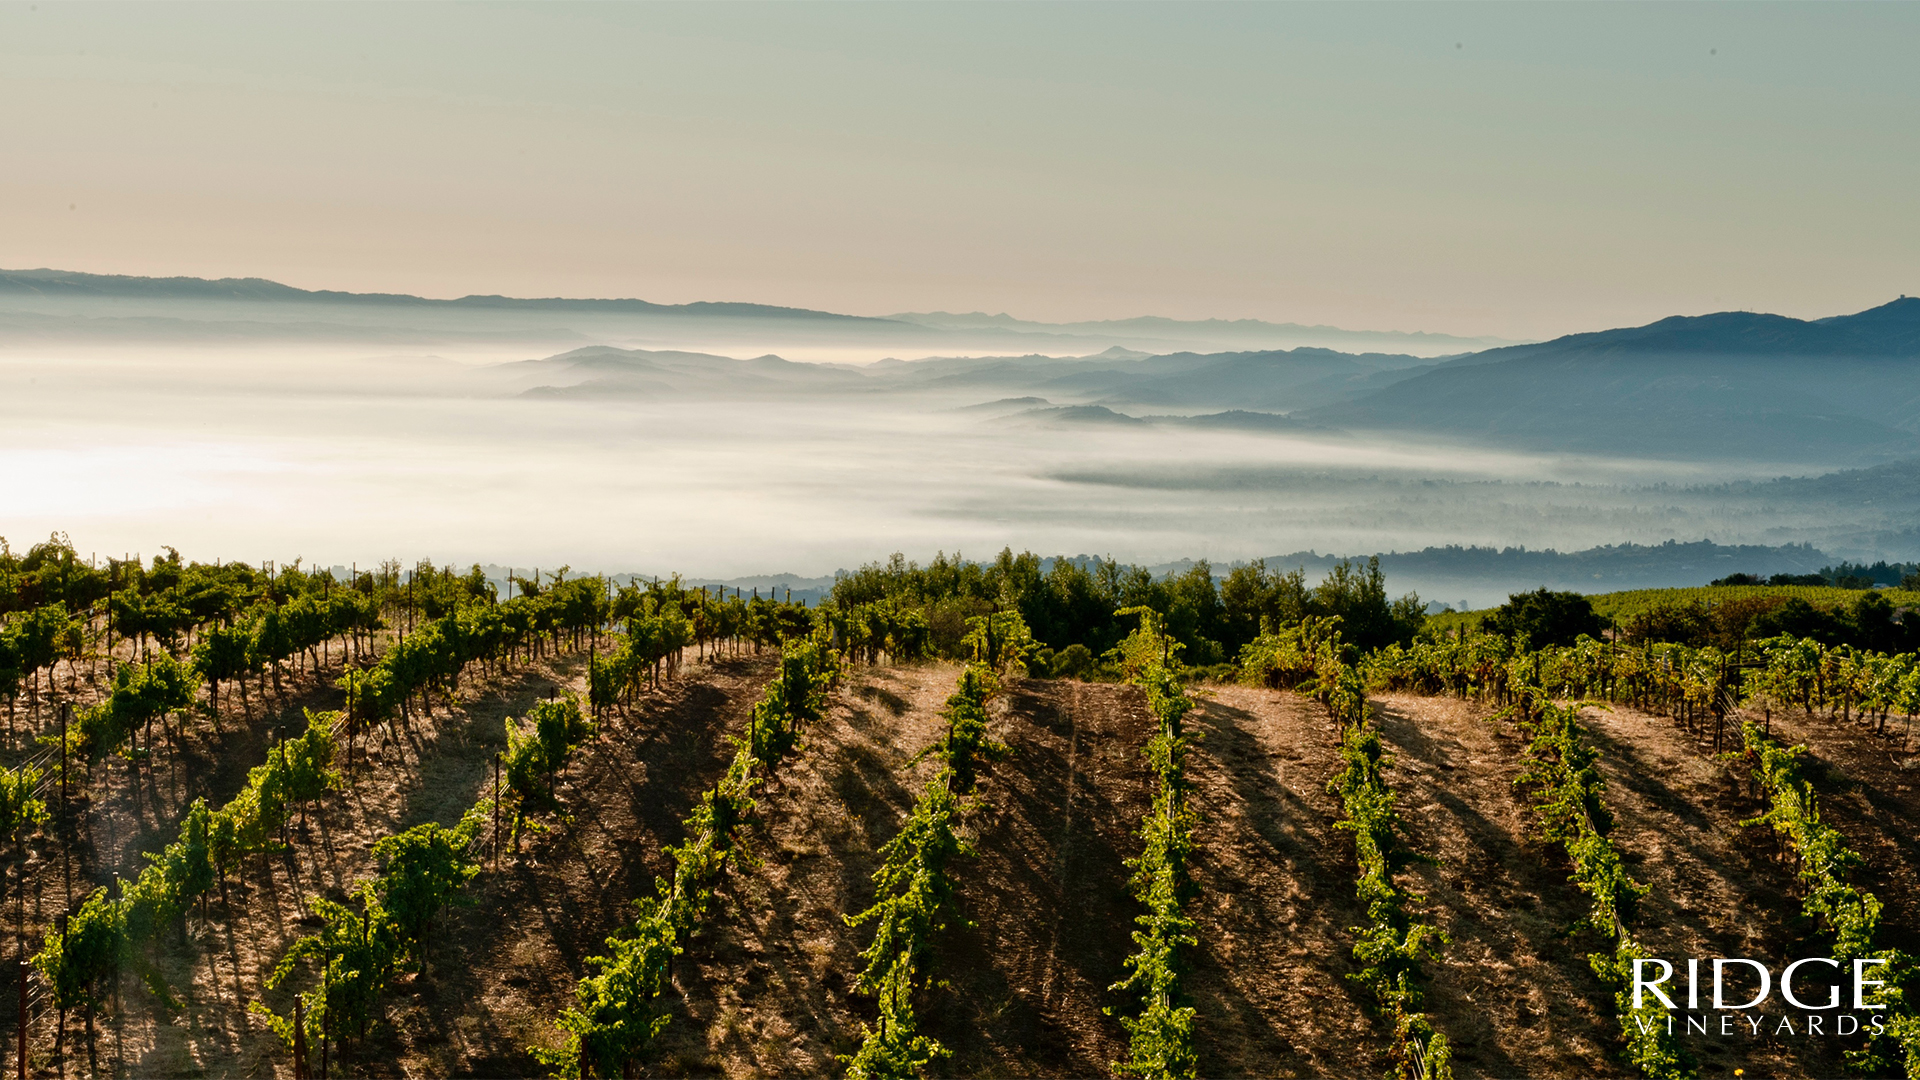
{"x":1568,"y":798}
{"x":1391,"y":947}
{"x":113,"y":927}
{"x":1852,"y":915}
{"x":616,"y":1013}
{"x":1161,"y":1036}
{"x":914,"y":897}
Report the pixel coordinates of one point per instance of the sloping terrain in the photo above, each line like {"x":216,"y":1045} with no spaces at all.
{"x":1512,"y":990}
{"x":1866,"y":779}
{"x":765,"y":989}
{"x":531,"y":923}
{"x":1045,"y":891}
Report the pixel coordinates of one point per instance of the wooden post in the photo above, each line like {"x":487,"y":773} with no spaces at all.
{"x":299,"y":1039}
{"x":24,"y":968}
{"x":65,"y":708}
{"x":326,"y":1011}
{"x":496,"y":810}
{"x":280,"y":746}
{"x":60,"y":1014}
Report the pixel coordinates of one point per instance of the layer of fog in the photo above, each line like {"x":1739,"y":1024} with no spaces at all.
{"x":59,"y":319}
{"x":338,"y":455}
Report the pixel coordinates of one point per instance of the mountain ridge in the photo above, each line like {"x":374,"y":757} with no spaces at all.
{"x":1724,"y":385}
{"x":72,"y":282}
{"x":80,"y":284}
{"x":1891,"y":329}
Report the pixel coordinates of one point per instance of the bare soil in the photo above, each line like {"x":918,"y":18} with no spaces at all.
{"x":1514,"y":990}
{"x":1869,"y":787}
{"x":1045,"y":891}
{"x":765,"y":988}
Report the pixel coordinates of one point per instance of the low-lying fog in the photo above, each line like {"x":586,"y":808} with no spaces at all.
{"x":338,"y":455}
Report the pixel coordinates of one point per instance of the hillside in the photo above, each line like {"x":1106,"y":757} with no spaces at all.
{"x":762,"y":979}
{"x":765,"y":991}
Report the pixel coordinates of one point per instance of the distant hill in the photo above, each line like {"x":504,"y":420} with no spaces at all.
{"x":601,"y":371}
{"x":1821,"y":394}
{"x":1227,"y":332}
{"x":67,"y":283}
{"x":1279,"y":380}
{"x":1730,"y":385}
{"x":1072,"y":415}
{"x":101,"y":305}
{"x":1892,"y":329}
{"x":1111,"y":382}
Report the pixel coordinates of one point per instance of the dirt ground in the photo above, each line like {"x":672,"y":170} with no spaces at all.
{"x":765,"y":988}
{"x":1867,"y":783}
{"x":122,"y":808}
{"x":769,"y":989}
{"x":1276,"y":895}
{"x":1514,"y":990}
{"x":431,"y":769}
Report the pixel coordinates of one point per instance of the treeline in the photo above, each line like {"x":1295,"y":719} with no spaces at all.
{"x":1072,"y":605}
{"x":1847,"y":575}
{"x":1542,"y":617}
{"x":1871,"y":621}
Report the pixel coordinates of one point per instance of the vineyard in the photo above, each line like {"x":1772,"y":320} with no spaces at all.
{"x":260,"y":820}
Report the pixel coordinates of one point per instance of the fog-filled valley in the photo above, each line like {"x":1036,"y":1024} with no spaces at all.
{"x":234,"y":420}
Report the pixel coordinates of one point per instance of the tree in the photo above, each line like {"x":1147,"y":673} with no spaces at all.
{"x":1257,"y":599}
{"x":1544,"y":617}
{"x":1194,"y":614}
{"x":1685,"y":624}
{"x":1802,"y":620}
{"x":1357,"y":595}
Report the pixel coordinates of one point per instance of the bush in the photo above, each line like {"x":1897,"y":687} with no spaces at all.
{"x":1684,"y":624}
{"x":1732,"y":619}
{"x":1544,"y":618}
{"x":1802,"y":620}
{"x":947,"y":623}
{"x":1214,"y":673}
{"x":1076,"y":661}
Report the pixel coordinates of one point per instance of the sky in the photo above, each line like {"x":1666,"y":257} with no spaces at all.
{"x":1514,"y":170}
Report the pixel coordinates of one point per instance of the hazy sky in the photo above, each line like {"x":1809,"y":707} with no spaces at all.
{"x":1521,"y":170}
